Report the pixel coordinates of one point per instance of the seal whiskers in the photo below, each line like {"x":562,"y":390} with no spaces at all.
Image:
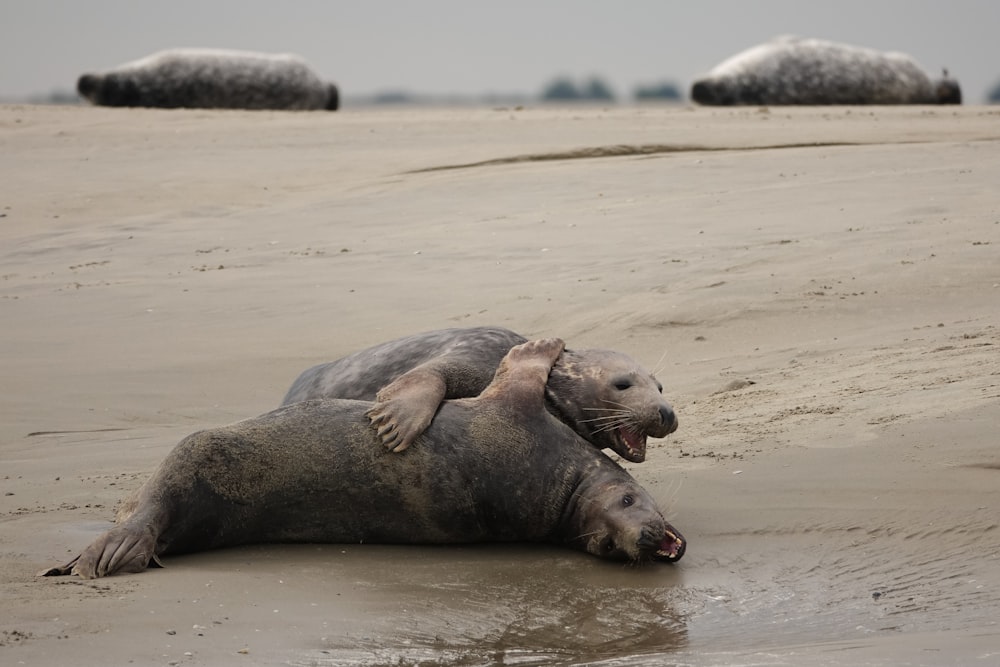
{"x":616,"y":417}
{"x":659,"y":368}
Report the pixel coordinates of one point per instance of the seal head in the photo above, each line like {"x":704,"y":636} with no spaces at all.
{"x":629,"y":526}
{"x":610,"y":401}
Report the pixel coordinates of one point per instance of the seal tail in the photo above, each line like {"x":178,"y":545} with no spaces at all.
{"x":59,"y":570}
{"x":947,"y":90}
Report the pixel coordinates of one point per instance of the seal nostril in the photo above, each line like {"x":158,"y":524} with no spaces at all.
{"x":667,"y":416}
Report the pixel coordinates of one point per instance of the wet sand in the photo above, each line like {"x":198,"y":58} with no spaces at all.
{"x":818,"y":290}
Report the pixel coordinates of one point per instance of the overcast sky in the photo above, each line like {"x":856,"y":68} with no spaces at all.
{"x":472,"y":47}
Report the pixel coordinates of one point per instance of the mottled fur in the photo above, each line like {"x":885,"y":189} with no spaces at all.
{"x":793,"y":70}
{"x":213,"y":79}
{"x":497,"y":467}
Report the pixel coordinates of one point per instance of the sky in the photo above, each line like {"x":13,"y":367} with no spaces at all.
{"x":473,"y":47}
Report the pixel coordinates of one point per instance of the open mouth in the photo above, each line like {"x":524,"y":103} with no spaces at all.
{"x":629,"y":444}
{"x":671,"y":547}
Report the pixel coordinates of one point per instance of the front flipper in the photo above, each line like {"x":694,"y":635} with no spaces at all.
{"x":125,"y":548}
{"x":404,"y":408}
{"x":522,"y":374}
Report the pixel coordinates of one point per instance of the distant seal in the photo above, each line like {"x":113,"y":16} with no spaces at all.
{"x":793,"y":70}
{"x":211,"y":79}
{"x":614,"y":404}
{"x":497,"y":467}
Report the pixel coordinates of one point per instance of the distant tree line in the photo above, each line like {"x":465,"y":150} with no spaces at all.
{"x":661,"y":91}
{"x":561,"y":89}
{"x":564,"y":89}
{"x":994,"y":95}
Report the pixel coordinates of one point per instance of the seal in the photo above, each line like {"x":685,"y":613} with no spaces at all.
{"x":211,"y":79}
{"x":614,"y":404}
{"x":499,"y":467}
{"x":794,"y":70}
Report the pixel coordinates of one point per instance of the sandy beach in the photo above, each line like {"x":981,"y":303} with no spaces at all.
{"x":818,"y":289}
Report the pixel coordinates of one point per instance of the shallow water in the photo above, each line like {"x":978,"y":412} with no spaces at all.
{"x":768,"y":594}
{"x":503,"y":605}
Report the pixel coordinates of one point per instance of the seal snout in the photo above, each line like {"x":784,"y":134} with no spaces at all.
{"x":87,"y":85}
{"x":629,"y":439}
{"x":668,"y":418}
{"x":672,"y":548}
{"x":667,"y":545}
{"x":703,"y":92}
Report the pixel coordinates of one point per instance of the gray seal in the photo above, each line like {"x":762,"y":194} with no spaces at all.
{"x":614,"y":404}
{"x":497,"y":467}
{"x":211,"y":79}
{"x":794,"y":70}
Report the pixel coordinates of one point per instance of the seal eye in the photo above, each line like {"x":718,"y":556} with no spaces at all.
{"x":627,"y":499}
{"x":607,"y":545}
{"x":622,"y":385}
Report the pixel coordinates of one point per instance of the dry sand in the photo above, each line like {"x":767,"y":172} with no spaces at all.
{"x":165,"y":271}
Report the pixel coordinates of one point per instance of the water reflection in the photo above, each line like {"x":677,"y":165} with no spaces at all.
{"x":480,"y":606}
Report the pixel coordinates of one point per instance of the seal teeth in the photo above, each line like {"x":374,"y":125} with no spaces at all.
{"x":668,"y":554}
{"x":634,"y":442}
{"x":671,"y":547}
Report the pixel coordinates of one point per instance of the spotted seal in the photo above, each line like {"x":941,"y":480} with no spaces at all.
{"x":614,"y":404}
{"x":794,"y":70}
{"x":498,"y":467}
{"x":212,"y":79}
